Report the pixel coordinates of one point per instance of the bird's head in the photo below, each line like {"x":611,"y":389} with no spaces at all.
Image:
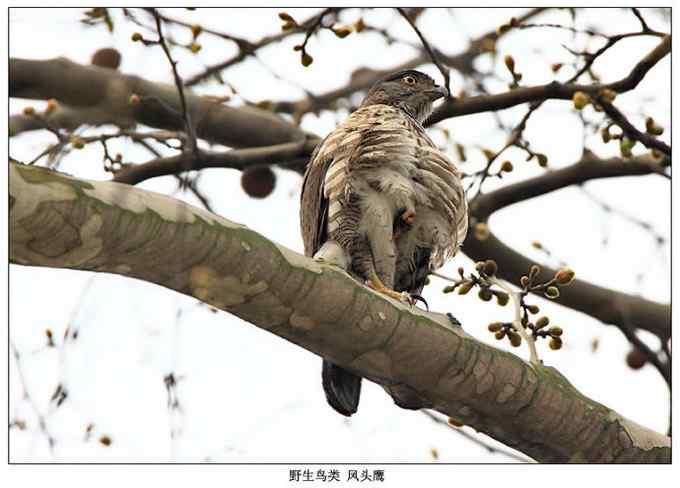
{"x":409,"y":90}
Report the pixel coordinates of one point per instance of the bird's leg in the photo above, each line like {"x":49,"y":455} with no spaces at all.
{"x":376,"y":284}
{"x":408,"y":216}
{"x":403,"y":222}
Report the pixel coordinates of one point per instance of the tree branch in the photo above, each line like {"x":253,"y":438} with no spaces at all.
{"x":63,"y":222}
{"x":609,"y":306}
{"x":553,"y":90}
{"x":293,"y":155}
{"x":95,"y":96}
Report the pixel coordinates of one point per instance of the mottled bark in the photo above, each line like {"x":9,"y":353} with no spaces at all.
{"x":59,"y":221}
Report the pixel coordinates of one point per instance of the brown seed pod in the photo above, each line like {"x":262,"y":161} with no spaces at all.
{"x":106,"y":57}
{"x":636,"y":359}
{"x":258,"y":181}
{"x":490,"y":267}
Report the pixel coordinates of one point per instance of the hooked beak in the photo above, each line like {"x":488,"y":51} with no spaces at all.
{"x":438,"y":92}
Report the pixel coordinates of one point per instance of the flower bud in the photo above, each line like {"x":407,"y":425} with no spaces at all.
{"x":626,"y":146}
{"x":306,"y":60}
{"x":499,"y":335}
{"x":485,"y":295}
{"x":542,"y":322}
{"x":652,"y":127}
{"x":506,"y":167}
{"x":136,"y":37}
{"x":515,"y":339}
{"x":606,"y":136}
{"x":555,"y":331}
{"x":495,"y":326}
{"x":580,"y":100}
{"x":552,"y":292}
{"x":555,"y":343}
{"x":533,"y":309}
{"x":342,"y":32}
{"x":565,"y":276}
{"x":196,"y":30}
{"x":542,"y":160}
{"x":29,"y":111}
{"x":502,"y":298}
{"x":465,"y":287}
{"x":195,"y":47}
{"x":359,"y":25}
{"x":509,"y":63}
{"x":490,"y":267}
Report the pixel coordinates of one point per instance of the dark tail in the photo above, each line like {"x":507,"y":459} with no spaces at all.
{"x":342,"y":388}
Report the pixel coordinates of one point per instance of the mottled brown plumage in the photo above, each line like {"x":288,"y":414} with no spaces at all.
{"x":382,"y":201}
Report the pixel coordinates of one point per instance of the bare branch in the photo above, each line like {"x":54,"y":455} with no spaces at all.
{"x":426,"y":45}
{"x":553,"y":90}
{"x":609,"y":306}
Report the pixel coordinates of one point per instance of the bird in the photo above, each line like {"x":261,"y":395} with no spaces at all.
{"x":380,"y":200}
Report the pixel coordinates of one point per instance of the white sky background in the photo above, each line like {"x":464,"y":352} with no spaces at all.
{"x":248,"y":395}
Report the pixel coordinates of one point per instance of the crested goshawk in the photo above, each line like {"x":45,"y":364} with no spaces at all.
{"x":382,"y":201}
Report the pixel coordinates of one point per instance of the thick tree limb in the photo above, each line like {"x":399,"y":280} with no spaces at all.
{"x":95,"y":96}
{"x":604,"y":304}
{"x":59,"y":221}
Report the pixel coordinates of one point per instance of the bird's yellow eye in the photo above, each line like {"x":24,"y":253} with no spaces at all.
{"x":409,"y":80}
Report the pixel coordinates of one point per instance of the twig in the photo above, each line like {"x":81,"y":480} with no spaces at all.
{"x":426,"y":45}
{"x":27,"y":397}
{"x":186,"y":116}
{"x":630,"y":131}
{"x":517,"y":323}
{"x":491,"y":449}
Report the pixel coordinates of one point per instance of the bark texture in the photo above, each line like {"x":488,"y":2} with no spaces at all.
{"x":59,"y":221}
